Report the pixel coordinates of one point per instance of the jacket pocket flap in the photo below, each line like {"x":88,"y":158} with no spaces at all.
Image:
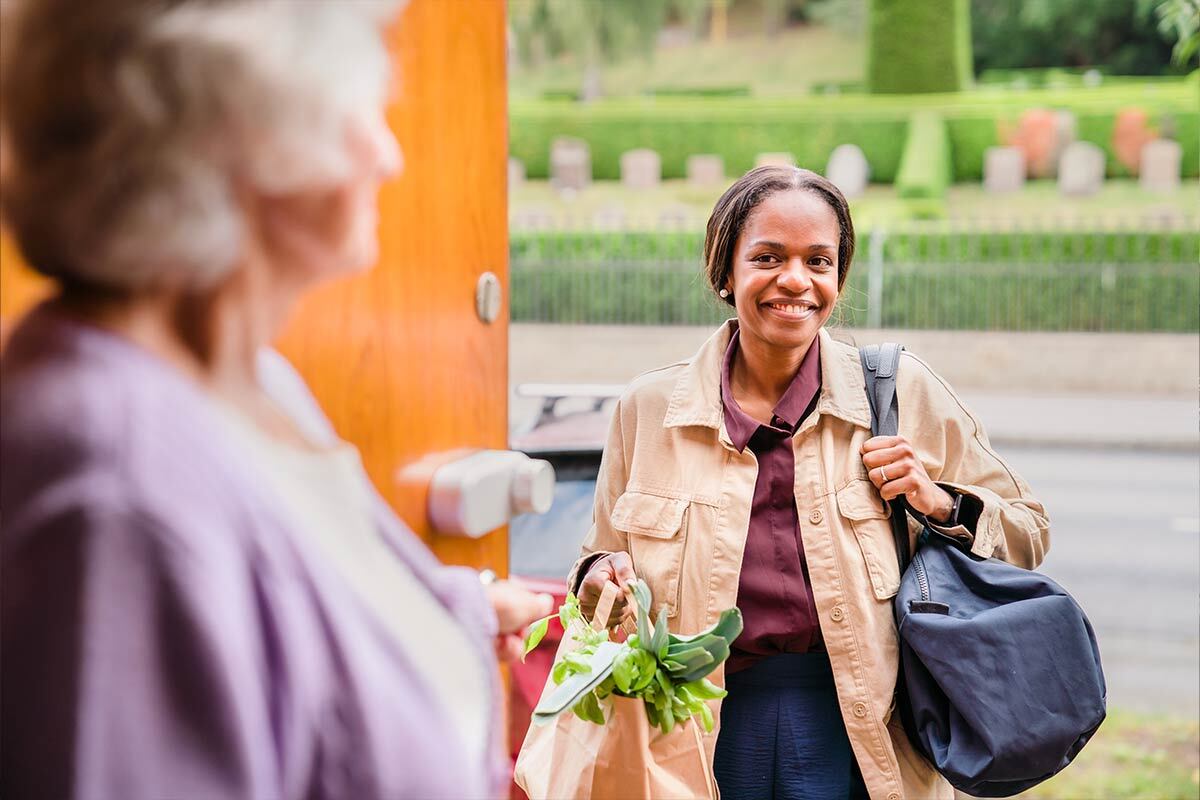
{"x":649,"y":514}
{"x":860,"y":500}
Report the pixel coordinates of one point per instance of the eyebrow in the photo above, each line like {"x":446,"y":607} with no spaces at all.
{"x":779,"y":246}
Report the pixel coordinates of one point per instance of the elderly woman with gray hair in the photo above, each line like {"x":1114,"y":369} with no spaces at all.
{"x":203,"y":596}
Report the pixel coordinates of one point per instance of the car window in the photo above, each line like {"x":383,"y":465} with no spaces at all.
{"x":546,"y":545}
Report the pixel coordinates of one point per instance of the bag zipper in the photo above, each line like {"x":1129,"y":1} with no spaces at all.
{"x":922,"y":579}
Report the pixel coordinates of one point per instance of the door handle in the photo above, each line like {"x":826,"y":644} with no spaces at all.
{"x":480,"y":492}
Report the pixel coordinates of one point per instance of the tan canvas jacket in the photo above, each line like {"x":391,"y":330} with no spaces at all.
{"x":675,"y":494}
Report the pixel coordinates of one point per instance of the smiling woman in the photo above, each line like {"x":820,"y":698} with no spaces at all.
{"x":761,"y":449}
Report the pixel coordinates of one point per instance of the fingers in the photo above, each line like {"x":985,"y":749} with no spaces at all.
{"x":893,"y":467}
{"x":622,"y":567}
{"x":516,"y":606}
{"x":509,"y":648}
{"x":891,"y":489}
{"x":882,"y":443}
{"x":613,"y":568}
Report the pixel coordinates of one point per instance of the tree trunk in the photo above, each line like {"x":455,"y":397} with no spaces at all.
{"x":718,"y":29}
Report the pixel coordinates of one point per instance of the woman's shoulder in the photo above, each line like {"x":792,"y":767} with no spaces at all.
{"x":89,"y":418}
{"x":654,"y":384}
{"x":648,"y":396}
{"x":915,"y":374}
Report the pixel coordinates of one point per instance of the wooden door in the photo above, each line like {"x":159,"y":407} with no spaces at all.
{"x":397,"y":357}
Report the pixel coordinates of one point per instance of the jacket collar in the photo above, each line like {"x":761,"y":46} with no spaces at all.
{"x":696,"y":398}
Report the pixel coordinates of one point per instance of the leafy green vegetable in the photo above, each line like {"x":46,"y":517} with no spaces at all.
{"x":588,"y":709}
{"x":569,"y":611}
{"x":534,"y":635}
{"x":667,"y":672}
{"x":661,"y":638}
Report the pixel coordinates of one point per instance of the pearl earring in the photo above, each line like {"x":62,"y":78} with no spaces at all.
{"x":723,"y":293}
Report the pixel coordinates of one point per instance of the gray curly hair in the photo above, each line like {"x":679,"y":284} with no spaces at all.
{"x":133,"y":123}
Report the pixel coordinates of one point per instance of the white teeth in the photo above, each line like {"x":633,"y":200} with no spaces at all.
{"x":792,"y":309}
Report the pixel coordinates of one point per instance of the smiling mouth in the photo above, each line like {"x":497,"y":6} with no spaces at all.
{"x":795,"y":311}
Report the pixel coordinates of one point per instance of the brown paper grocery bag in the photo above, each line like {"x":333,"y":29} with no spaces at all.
{"x":625,"y":759}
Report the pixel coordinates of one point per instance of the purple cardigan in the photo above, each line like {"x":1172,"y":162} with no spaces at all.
{"x":163,"y":632}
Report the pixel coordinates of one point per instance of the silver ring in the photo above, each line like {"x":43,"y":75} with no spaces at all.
{"x":883,"y":475}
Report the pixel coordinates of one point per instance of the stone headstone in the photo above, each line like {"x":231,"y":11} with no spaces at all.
{"x":1037,"y":136}
{"x":1131,"y":132}
{"x":1065,"y":132}
{"x":1092,"y":78}
{"x":516,"y":172}
{"x":775,"y":160}
{"x":641,"y":169}
{"x":848,"y":169}
{"x":705,"y":170}
{"x":1160,"y":165}
{"x":570,"y":164}
{"x":1081,"y":171}
{"x":1003,"y":169}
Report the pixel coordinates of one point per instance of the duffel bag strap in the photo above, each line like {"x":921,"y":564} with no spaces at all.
{"x":879,"y":363}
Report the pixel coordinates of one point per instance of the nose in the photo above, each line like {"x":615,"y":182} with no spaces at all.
{"x":391,"y":157}
{"x":794,"y":277}
{"x":376,"y":148}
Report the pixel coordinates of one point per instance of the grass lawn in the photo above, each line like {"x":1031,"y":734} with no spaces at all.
{"x":1132,"y":756}
{"x":675,"y":204}
{"x":787,"y":64}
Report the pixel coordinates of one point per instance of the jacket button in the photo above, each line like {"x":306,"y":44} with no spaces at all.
{"x":859,"y":709}
{"x":893,"y":796}
{"x":816,"y":516}
{"x":837,"y":615}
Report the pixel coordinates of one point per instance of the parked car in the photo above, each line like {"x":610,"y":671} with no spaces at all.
{"x":569,"y":431}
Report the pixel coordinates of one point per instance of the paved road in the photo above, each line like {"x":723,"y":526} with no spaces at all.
{"x":1126,"y":543}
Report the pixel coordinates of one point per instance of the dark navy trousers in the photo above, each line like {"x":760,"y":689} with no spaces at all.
{"x":782,"y":736}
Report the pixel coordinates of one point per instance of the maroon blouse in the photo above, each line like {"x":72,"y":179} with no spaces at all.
{"x":774,"y":593}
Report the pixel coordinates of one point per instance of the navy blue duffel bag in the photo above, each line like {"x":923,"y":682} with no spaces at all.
{"x":1000,"y":681}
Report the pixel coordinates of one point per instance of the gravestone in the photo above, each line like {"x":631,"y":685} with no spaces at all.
{"x":848,"y":169}
{"x":1131,"y":132}
{"x":1003,"y":169}
{"x":1160,"y":166}
{"x":705,"y":170}
{"x":1065,"y":132}
{"x":570,"y":164}
{"x":775,"y":160}
{"x":1037,"y":137}
{"x":1081,"y":170}
{"x":516,"y":172}
{"x":641,"y":169}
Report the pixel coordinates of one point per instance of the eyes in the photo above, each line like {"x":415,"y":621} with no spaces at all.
{"x":768,"y":260}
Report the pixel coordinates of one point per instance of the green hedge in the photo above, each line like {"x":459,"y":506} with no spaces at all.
{"x":916,"y":46}
{"x":926,"y":296}
{"x":810,"y":127}
{"x":925,"y":165}
{"x":649,"y":249}
{"x":1061,"y":77}
{"x":1053,"y":281}
{"x":740,"y":90}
